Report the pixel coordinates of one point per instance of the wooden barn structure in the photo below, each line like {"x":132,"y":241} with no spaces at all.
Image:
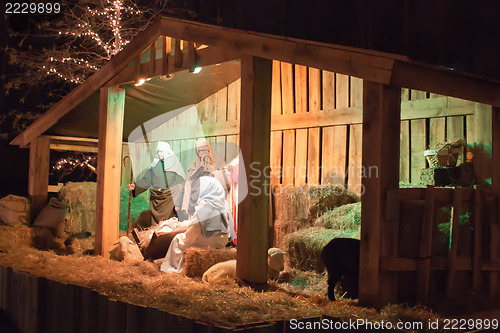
{"x":316,"y":113}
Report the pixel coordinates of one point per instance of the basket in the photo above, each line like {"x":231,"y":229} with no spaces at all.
{"x":446,"y":156}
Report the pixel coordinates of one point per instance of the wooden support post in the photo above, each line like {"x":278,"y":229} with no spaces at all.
{"x":482,"y":136}
{"x":495,"y":182}
{"x":38,"y":180}
{"x":255,"y":130}
{"x":424,"y":262}
{"x":152,"y":60}
{"x":109,"y":160}
{"x":178,"y":54}
{"x":381,"y":125}
{"x":453,"y":252}
{"x":495,"y":148}
{"x":477,"y":274}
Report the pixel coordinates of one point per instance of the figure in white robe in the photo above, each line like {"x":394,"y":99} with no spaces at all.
{"x":211,"y":225}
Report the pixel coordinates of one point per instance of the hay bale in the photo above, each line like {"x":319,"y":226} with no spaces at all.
{"x":198,"y":260}
{"x":346,"y":218}
{"x":81,"y":198}
{"x":304,"y":246}
{"x":297,"y":208}
{"x":82,"y":206}
{"x":13,"y":238}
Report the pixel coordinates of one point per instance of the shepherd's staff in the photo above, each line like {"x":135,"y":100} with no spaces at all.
{"x":130,"y":191}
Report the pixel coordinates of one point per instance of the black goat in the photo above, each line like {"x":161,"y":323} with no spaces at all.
{"x":341,"y":258}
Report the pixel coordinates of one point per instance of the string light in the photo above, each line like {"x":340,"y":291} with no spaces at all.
{"x":111,"y":16}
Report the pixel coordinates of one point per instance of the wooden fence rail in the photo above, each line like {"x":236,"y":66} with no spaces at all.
{"x":473,"y":238}
{"x":38,"y":304}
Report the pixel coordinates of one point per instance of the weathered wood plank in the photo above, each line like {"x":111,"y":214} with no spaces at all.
{"x":111,"y":113}
{"x":301,"y":94}
{"x":232,"y":103}
{"x":341,"y":91}
{"x":288,"y":157}
{"x":221,"y":109}
{"x":328,"y":134}
{"x":404,"y":161}
{"x":328,"y":90}
{"x":418,"y":145}
{"x":314,"y":89}
{"x":276,"y":89}
{"x":339,"y":156}
{"x":255,"y":130}
{"x":38,"y":178}
{"x":356,"y":92}
{"x":405,"y":94}
{"x":344,"y":116}
{"x":220,"y":146}
{"x":313,"y":153}
{"x":300,"y":157}
{"x":417,"y":94}
{"x":355,"y":160}
{"x":381,"y":117}
{"x":455,"y":130}
{"x":276,"y":146}
{"x":232,"y":147}
{"x":437,"y":132}
{"x":287,"y":88}
{"x":435,"y":107}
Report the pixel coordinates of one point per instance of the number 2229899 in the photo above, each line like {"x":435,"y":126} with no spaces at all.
{"x":32,"y":8}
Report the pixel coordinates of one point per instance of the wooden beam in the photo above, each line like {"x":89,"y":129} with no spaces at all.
{"x":435,"y":107}
{"x":381,"y":124}
{"x":109,"y":160}
{"x":38,"y":179}
{"x":80,"y":93}
{"x":370,"y":65}
{"x":255,"y":130}
{"x":205,"y":57}
{"x":70,"y":138}
{"x":444,"y":81}
{"x":67,"y":147}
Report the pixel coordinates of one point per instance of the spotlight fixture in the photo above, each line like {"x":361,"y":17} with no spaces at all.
{"x":196,"y":70}
{"x":167,"y":77}
{"x":140,"y":82}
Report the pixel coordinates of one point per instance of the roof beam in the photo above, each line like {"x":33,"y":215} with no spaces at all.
{"x":373,"y":66}
{"x":445,"y":82}
{"x":204,"y":57}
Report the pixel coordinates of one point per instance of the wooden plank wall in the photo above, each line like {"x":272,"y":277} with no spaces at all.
{"x":316,"y":127}
{"x":311,"y":153}
{"x":421,"y":133}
